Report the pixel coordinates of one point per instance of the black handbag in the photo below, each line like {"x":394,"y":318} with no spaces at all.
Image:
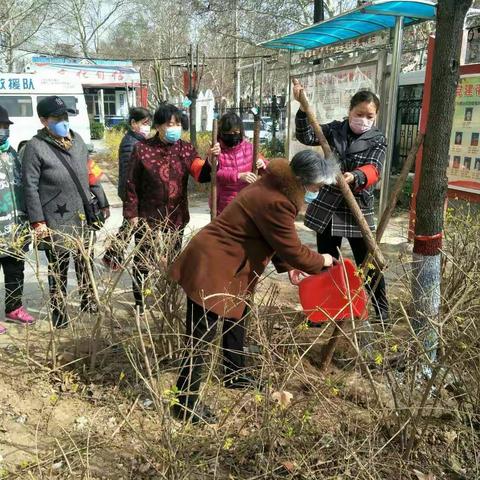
{"x":93,"y":213}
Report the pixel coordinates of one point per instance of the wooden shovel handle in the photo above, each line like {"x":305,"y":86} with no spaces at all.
{"x":342,"y":184}
{"x":312,"y":119}
{"x":256,"y":144}
{"x":214,"y":164}
{"x":367,"y":234}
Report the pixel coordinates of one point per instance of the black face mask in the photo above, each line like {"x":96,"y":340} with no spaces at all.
{"x":231,"y":139}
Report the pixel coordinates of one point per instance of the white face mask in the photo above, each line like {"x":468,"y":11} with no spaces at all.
{"x":144,"y":130}
{"x":360,"y":125}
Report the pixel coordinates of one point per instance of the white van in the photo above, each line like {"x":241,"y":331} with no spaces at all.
{"x":20,"y":93}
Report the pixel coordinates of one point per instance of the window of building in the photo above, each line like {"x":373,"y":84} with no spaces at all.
{"x":91,"y":100}
{"x":109,"y":104}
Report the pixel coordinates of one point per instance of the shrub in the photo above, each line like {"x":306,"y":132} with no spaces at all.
{"x":97,"y":130}
{"x":204,"y":140}
{"x":273,"y":148}
{"x":112,"y":142}
{"x":121,"y":127}
{"x":406,"y":194}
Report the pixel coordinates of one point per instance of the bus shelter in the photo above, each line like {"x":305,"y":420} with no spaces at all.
{"x":368,"y":30}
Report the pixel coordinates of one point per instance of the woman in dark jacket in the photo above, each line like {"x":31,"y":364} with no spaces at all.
{"x":360,"y":147}
{"x":221,"y":265}
{"x":139,"y":127}
{"x":156,"y":198}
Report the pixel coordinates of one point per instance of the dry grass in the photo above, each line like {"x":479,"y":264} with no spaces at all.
{"x":362,"y":419}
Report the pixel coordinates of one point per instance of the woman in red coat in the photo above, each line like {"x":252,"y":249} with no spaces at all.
{"x":156,"y":193}
{"x":222,"y":264}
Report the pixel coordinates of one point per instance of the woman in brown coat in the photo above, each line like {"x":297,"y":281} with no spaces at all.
{"x":222,"y":264}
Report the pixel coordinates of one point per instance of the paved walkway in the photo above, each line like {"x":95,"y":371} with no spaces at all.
{"x":36,"y":287}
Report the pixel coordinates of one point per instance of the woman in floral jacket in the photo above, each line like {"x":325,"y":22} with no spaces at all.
{"x":12,"y":235}
{"x":156,"y":195}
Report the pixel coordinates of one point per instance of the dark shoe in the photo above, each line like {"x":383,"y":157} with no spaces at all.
{"x":385,"y":323}
{"x":89,"y":306}
{"x":200,"y":413}
{"x":382,"y":318}
{"x":60,"y":320}
{"x":112,"y":263}
{"x":243,"y":382}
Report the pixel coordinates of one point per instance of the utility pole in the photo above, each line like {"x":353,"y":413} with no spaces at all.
{"x":3,"y":50}
{"x":194,"y":75}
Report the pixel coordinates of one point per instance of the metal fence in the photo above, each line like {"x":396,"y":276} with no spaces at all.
{"x":408,"y":120}
{"x":268,"y":113}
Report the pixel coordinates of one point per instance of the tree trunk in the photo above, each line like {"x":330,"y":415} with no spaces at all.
{"x":9,"y":49}
{"x":9,"y":60}
{"x":433,"y":177}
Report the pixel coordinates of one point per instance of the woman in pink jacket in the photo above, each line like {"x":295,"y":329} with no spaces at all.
{"x":235,"y":158}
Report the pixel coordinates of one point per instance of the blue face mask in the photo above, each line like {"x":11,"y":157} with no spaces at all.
{"x":173,"y":134}
{"x":60,"y":129}
{"x":310,"y":196}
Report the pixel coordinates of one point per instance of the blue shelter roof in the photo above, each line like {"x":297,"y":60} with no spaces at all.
{"x":372,"y":17}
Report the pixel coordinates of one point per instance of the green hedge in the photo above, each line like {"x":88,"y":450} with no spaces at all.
{"x":97,"y":130}
{"x":273,"y":148}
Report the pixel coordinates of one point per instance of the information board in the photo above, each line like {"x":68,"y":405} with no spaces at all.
{"x":464,"y":154}
{"x":330,"y":93}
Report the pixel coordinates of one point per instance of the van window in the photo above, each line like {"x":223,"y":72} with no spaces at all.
{"x":70,"y":102}
{"x":17,"y":106}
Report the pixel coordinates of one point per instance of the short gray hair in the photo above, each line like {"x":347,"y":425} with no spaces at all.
{"x":310,"y":167}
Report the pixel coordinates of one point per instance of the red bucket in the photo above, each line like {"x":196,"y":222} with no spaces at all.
{"x":327,"y":295}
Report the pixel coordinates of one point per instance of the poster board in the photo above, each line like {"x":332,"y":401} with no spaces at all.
{"x":329,"y":92}
{"x":464,"y":154}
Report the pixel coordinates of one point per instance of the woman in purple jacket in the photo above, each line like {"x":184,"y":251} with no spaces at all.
{"x":235,"y":159}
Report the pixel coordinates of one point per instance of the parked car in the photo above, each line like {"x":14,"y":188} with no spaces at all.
{"x":265,"y":136}
{"x":267,"y":122}
{"x":20,"y":93}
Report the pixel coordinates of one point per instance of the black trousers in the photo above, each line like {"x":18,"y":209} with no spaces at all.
{"x":201,"y":328}
{"x":116,"y":251}
{"x":58,"y":263}
{"x":327,"y":243}
{"x":145,"y":250}
{"x":13,"y":271}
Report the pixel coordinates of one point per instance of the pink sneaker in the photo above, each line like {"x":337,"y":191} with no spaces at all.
{"x":21,"y":316}
{"x":2,"y":330}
